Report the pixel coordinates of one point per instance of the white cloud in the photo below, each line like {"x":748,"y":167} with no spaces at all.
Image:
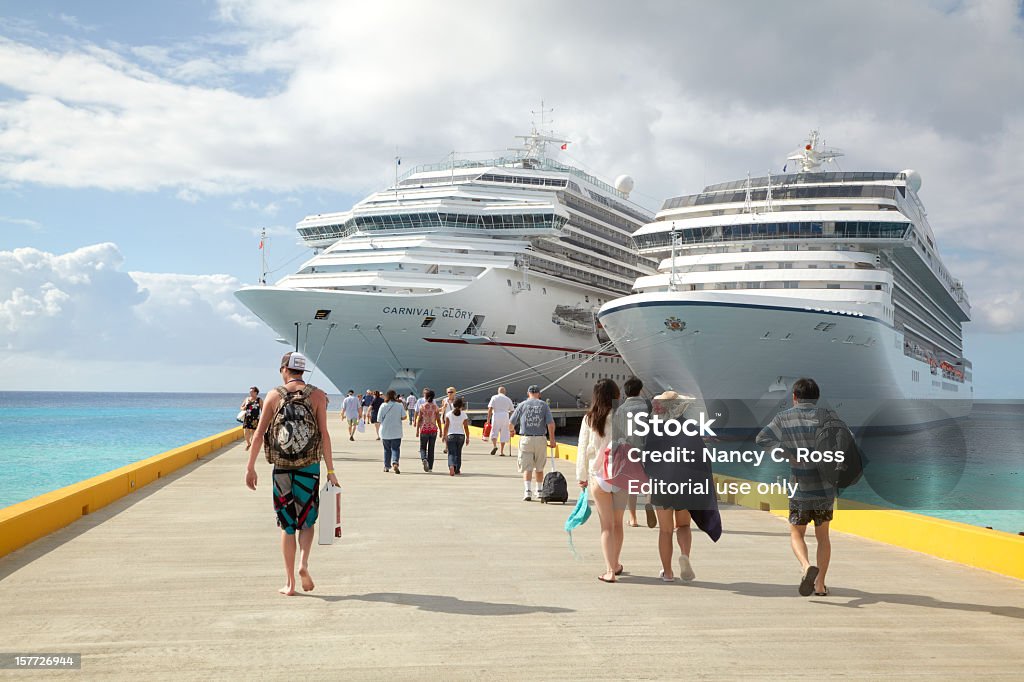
{"x":79,"y":315}
{"x":23,"y":222}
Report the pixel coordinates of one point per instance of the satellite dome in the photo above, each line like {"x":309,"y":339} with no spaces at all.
{"x":913,"y":180}
{"x":624,"y":184}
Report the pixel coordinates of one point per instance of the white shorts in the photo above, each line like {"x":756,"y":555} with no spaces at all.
{"x":500,"y":431}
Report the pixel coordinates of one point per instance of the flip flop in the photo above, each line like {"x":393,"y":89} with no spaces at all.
{"x":664,"y":579}
{"x":652,"y":518}
{"x":605,"y":580}
{"x":621,"y":569}
{"x":807,"y":582}
{"x":634,"y":525}
{"x":822,"y":594}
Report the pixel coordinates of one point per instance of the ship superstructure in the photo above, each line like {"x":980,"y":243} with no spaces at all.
{"x":468,"y":273}
{"x":832,"y":275}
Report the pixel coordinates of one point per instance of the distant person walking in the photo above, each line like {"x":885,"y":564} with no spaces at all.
{"x":814,"y":497}
{"x":294,"y":441}
{"x":375,"y":405}
{"x":456,"y":435}
{"x":390,"y":416}
{"x":350,"y":412}
{"x":633,"y":404}
{"x":499,"y":411}
{"x":533,"y":422}
{"x":428,"y":425}
{"x":252,"y":406}
{"x":367,"y":404}
{"x":410,"y":406}
{"x":610,"y":500}
{"x":446,"y":407}
{"x":682,"y":491}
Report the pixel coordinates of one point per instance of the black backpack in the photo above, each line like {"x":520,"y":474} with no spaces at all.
{"x":833,"y":434}
{"x":554,"y":488}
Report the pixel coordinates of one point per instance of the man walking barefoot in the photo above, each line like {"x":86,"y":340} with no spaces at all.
{"x":295,"y":488}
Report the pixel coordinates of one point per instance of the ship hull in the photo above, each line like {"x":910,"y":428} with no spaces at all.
{"x":741,"y":357}
{"x":379,"y":341}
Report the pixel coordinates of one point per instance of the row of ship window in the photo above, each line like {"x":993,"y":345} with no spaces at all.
{"x":780,"y":193}
{"x":807,"y":178}
{"x":871,"y":286}
{"x":698,"y":235}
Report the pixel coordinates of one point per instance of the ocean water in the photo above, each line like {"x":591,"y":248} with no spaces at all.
{"x":53,"y":439}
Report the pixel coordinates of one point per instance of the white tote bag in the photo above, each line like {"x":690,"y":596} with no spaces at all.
{"x":330,"y":514}
{"x":360,"y":426}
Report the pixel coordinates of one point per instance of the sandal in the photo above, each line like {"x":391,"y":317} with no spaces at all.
{"x":807,"y":582}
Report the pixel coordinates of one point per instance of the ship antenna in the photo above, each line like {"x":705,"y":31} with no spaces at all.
{"x":543,"y":112}
{"x":672,"y":282}
{"x":810,"y":157}
{"x":263,"y":256}
{"x":747,"y":204}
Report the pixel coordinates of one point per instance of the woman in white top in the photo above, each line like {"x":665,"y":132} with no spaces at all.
{"x":455,"y":422}
{"x":610,"y":500}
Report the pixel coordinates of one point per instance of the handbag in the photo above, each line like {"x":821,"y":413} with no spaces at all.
{"x":360,"y":426}
{"x":241,"y":417}
{"x":619,"y":470}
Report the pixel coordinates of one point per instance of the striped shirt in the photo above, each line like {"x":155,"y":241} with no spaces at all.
{"x":795,"y":428}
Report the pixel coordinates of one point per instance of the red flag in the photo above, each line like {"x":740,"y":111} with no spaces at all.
{"x":565,"y":146}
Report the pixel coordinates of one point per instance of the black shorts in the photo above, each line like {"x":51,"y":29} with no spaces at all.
{"x":801,"y":517}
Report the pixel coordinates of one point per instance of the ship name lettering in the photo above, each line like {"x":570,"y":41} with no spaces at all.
{"x":393,"y":310}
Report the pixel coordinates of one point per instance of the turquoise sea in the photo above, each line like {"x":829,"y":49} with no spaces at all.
{"x":54,"y":439}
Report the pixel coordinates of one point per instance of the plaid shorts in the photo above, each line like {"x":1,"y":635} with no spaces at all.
{"x":799,"y":516}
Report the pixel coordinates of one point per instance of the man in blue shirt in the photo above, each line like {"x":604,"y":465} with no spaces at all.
{"x":533,"y":422}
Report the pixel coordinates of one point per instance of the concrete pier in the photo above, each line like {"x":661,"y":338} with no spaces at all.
{"x":457,"y":578}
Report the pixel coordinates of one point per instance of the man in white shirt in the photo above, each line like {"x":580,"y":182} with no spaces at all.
{"x":498,"y":411}
{"x":350,"y":411}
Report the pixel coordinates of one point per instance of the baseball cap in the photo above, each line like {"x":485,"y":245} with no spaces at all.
{"x":295,"y":361}
{"x":534,"y":388}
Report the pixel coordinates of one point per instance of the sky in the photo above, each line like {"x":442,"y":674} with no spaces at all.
{"x":143,"y":146}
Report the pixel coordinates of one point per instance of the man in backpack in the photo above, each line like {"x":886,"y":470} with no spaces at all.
{"x":296,"y":441}
{"x":814,"y":497}
{"x":536,"y":427}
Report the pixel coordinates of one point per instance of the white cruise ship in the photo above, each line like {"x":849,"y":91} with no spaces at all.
{"x":829,"y":275}
{"x":465,"y":273}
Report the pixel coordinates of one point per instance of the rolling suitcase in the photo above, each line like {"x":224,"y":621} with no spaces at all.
{"x":554,"y":487}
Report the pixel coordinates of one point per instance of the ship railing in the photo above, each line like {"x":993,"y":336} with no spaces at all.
{"x":514,"y":162}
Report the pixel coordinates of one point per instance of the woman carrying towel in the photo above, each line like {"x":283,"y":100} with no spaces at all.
{"x":610,"y":500}
{"x":675,"y":511}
